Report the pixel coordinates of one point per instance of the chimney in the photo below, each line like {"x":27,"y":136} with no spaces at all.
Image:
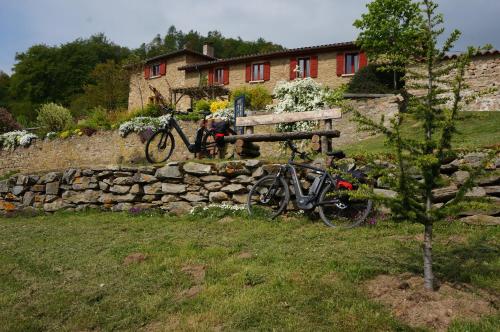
{"x":208,"y":49}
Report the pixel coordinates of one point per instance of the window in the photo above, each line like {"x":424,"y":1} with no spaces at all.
{"x":351,"y":63}
{"x":304,"y":69}
{"x":219,"y":76}
{"x":155,"y":70}
{"x":258,"y":72}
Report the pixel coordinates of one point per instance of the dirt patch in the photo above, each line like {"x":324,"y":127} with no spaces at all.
{"x":136,"y":257}
{"x":245,"y":255}
{"x":190,"y":292}
{"x":197,"y":272}
{"x":411,"y":303}
{"x":226,"y":220}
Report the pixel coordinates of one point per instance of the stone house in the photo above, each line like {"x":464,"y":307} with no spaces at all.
{"x":183,"y":75}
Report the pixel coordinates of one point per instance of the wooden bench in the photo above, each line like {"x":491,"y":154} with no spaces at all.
{"x":249,"y":122}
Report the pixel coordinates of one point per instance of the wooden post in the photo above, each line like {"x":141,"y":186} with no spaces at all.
{"x":325,"y":146}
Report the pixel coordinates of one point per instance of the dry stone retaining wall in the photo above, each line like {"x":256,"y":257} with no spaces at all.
{"x":177,"y":187}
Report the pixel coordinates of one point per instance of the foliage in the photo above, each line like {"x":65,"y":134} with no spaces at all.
{"x":300,"y":95}
{"x":391,"y":33}
{"x":141,"y":123}
{"x":108,"y":86}
{"x":151,"y":110}
{"x":223,"y":47}
{"x":4,"y":89}
{"x":96,"y":119}
{"x":58,"y":73}
{"x":7,"y":122}
{"x":226,"y":114}
{"x":256,"y":98}
{"x":13,"y":139}
{"x":202,"y":105}
{"x":371,"y":80}
{"x":434,"y":109}
{"x":54,"y":117}
{"x":218,"y":105}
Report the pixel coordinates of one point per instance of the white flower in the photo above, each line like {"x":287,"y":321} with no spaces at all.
{"x":12,"y":139}
{"x":142,"y":123}
{"x":226,"y":114}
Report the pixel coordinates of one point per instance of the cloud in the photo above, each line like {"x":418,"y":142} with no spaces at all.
{"x":291,"y":23}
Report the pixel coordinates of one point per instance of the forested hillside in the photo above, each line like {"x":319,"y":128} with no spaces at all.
{"x":77,"y":74}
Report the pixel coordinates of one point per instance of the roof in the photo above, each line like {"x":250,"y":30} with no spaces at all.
{"x":480,"y":53}
{"x":275,"y":54}
{"x":178,"y":52}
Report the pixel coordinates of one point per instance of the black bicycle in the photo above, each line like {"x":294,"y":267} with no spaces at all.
{"x":271,"y":194}
{"x":208,"y":141}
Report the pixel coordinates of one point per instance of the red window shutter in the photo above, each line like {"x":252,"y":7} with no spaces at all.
{"x":293,"y":65}
{"x":211,"y":76}
{"x":363,"y":60}
{"x":226,"y":75}
{"x":314,"y":66}
{"x":163,"y":68}
{"x":147,"y":72}
{"x":267,"y":71}
{"x":248,"y":73}
{"x":340,"y":64}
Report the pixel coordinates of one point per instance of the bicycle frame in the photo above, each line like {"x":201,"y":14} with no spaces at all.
{"x":309,"y":201}
{"x":192,"y":147}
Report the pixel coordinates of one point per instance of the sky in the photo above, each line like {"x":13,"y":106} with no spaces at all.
{"x":292,"y":23}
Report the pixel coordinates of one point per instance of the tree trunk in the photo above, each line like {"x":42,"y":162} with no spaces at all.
{"x":428,"y":274}
{"x":395,"y":81}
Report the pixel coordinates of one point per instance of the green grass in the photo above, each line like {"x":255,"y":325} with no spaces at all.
{"x":66,"y":272}
{"x":475,"y":129}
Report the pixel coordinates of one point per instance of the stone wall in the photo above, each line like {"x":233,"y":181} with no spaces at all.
{"x":179,"y":186}
{"x":102,"y":148}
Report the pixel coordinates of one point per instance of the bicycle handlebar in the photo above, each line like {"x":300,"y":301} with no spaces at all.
{"x":295,"y":150}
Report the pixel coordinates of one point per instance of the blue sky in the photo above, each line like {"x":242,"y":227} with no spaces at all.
{"x":291,"y":23}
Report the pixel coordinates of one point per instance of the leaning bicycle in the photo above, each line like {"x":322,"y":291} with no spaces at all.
{"x":328,"y":193}
{"x":208,"y":142}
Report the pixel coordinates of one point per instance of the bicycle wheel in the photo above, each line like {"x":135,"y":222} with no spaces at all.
{"x":160,"y":146}
{"x":209,"y":147}
{"x":337,"y":209}
{"x":268,"y":197}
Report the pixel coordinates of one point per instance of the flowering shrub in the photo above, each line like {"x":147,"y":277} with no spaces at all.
{"x":142,"y":123}
{"x":300,"y":95}
{"x":16,"y":138}
{"x":226,"y":114}
{"x":218,"y":105}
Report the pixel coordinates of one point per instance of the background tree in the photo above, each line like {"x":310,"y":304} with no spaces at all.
{"x":108,"y":87}
{"x":390,"y":33}
{"x":4,"y":89}
{"x":439,"y":83}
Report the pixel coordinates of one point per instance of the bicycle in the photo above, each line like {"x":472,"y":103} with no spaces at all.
{"x":161,"y":144}
{"x":271,"y":194}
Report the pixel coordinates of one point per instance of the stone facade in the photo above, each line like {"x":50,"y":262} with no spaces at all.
{"x":179,"y":186}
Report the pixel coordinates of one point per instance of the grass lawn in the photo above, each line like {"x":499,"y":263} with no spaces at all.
{"x":66,"y":272}
{"x":475,"y":129}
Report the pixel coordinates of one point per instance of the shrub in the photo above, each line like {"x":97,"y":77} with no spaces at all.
{"x":150,"y":110}
{"x":202,"y":105}
{"x":260,"y":98}
{"x":256,"y":98}
{"x":371,"y":80}
{"x":53,"y":117}
{"x":12,"y":139}
{"x":97,"y":119}
{"x":218,"y":105}
{"x":142,"y":123}
{"x":7,"y":121}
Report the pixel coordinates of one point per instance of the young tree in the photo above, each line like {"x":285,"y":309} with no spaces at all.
{"x":437,"y":83}
{"x":390,"y":33}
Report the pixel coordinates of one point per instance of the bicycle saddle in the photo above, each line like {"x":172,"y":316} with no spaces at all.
{"x":339,"y":154}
